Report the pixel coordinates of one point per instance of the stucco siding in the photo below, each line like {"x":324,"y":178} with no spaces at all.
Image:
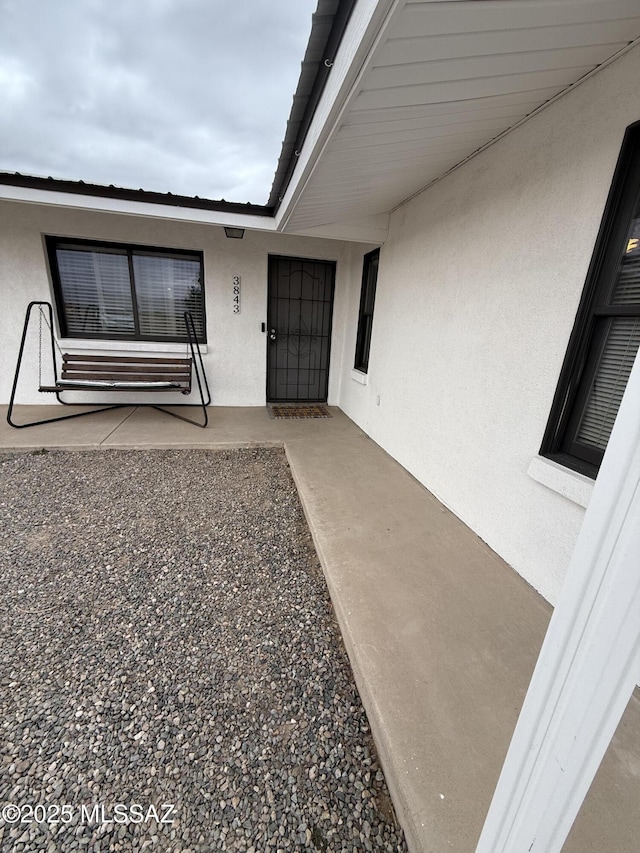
{"x":479,"y":283}
{"x":236,"y":346}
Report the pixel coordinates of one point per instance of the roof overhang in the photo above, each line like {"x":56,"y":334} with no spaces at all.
{"x":418,"y":87}
{"x":393,"y":95}
{"x":128,"y":202}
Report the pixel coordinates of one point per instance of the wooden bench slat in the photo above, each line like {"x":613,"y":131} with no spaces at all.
{"x":123,"y":373}
{"x":124,"y":369}
{"x":126,"y":359}
{"x":87,"y":386}
{"x":105,"y":374}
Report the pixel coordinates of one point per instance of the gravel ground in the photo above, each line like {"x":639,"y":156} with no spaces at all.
{"x":167,"y":639}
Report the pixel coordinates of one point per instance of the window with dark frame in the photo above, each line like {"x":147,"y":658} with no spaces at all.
{"x":115,"y":291}
{"x":606,"y":334}
{"x":365,"y":315}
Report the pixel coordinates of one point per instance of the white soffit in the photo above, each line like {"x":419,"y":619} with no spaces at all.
{"x":442,"y":80}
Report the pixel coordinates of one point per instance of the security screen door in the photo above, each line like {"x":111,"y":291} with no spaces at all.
{"x":299,"y":329}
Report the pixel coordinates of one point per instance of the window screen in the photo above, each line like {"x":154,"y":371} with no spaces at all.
{"x":365,"y":315}
{"x":111,"y":292}
{"x":606,"y":335}
{"x":615,"y":360}
{"x":165,"y":289}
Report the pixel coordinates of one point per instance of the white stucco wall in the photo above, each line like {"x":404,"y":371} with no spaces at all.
{"x":479,"y":282}
{"x":236,"y":357}
{"x":478,"y":287}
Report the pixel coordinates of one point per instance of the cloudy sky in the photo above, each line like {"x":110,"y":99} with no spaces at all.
{"x":186,"y":96}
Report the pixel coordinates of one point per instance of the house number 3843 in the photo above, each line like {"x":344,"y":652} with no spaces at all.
{"x":236,"y":294}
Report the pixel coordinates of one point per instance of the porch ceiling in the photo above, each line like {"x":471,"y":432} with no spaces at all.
{"x":439,"y":81}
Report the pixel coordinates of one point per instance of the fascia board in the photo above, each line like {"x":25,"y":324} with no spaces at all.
{"x":367,"y":25}
{"x":102,"y":204}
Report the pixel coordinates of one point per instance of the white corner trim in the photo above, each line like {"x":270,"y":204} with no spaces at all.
{"x":570,"y":484}
{"x":359,"y":376}
{"x":589,"y":663}
{"x":81,"y":345}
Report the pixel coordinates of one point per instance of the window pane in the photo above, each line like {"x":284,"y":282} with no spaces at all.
{"x":627,"y":289}
{"x":372,"y":278}
{"x":96,"y":292}
{"x":610,"y":380}
{"x":365,"y":313}
{"x":166,"y":287}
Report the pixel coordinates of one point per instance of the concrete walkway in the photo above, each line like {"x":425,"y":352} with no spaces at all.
{"x":441,"y":633}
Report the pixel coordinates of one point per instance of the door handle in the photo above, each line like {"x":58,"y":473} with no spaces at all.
{"x":273,"y":335}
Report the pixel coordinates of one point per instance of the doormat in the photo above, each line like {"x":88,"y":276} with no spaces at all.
{"x":299,"y":412}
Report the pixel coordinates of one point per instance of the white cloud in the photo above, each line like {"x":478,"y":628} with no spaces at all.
{"x":187,"y":96}
{"x":15,"y":82}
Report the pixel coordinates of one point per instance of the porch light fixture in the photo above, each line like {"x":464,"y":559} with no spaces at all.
{"x":234,"y":233}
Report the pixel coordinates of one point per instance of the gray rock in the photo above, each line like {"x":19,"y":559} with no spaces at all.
{"x":168,"y":638}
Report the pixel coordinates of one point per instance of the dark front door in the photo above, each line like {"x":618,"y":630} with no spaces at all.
{"x":299,"y":328}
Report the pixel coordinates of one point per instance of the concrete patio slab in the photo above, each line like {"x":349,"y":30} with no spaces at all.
{"x":81,"y":432}
{"x":228,"y":427}
{"x":442,"y":634}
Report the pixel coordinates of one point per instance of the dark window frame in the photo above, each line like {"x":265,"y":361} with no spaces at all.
{"x":594,"y":316}
{"x":366,"y":310}
{"x":52,"y":243}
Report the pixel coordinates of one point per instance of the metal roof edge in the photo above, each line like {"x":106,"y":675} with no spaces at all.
{"x":169,"y":199}
{"x":316,"y":68}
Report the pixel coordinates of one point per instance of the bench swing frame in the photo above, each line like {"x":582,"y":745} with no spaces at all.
{"x":122,"y":365}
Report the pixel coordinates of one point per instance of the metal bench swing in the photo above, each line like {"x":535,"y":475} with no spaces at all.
{"x":115,"y":373}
